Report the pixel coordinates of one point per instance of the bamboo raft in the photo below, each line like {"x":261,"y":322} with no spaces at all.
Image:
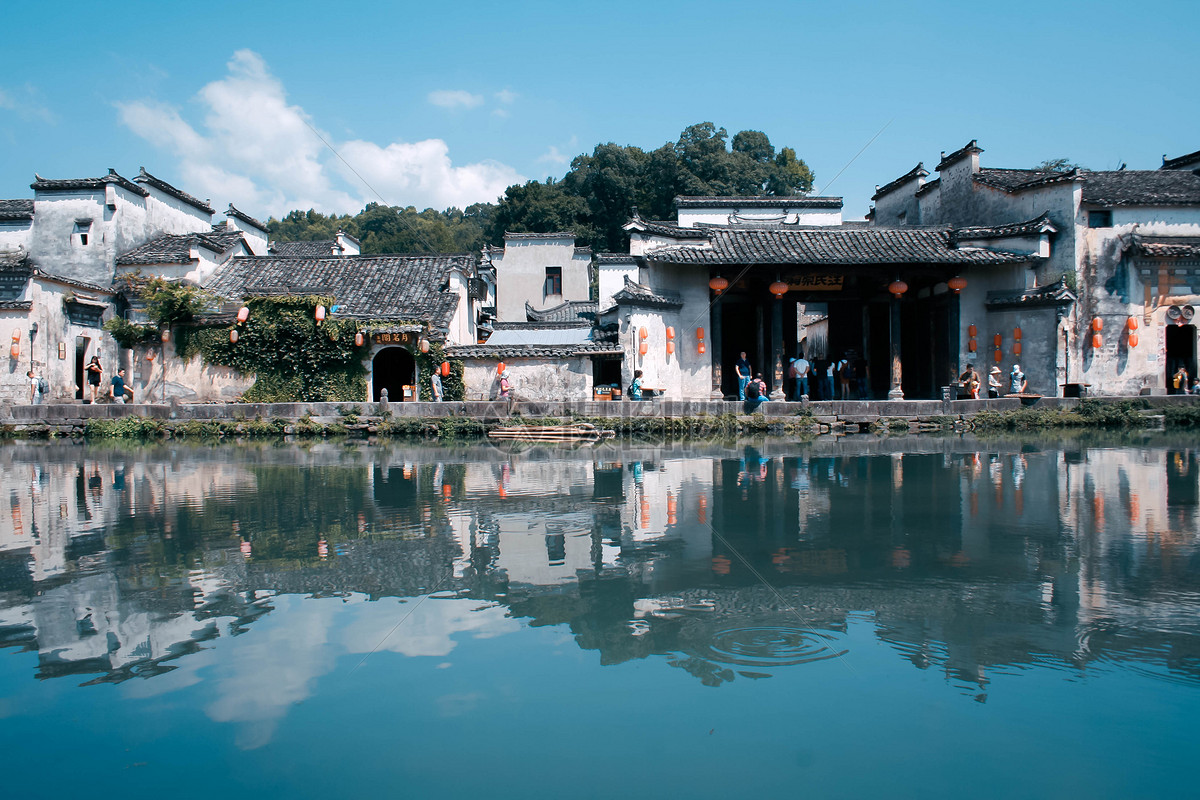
{"x":576,"y":432}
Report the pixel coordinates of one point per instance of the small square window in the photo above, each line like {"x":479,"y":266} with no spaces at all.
{"x":1100,"y":219}
{"x":82,"y":232}
{"x":553,"y":285}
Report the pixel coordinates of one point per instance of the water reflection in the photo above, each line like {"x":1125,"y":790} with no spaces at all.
{"x":967,"y":559}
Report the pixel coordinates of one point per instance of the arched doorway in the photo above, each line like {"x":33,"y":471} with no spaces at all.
{"x":1181,"y":352}
{"x":393,"y":368}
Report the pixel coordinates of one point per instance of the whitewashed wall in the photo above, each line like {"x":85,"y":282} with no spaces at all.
{"x":530,"y":378}
{"x":521,"y":275}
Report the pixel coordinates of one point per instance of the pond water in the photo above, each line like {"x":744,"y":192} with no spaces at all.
{"x":917,"y":617}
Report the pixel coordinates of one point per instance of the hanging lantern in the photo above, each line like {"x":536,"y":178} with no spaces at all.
{"x":997,"y":340}
{"x":670,"y":332}
{"x":445,"y":369}
{"x":1097,"y":341}
{"x":1016,"y":348}
{"x":957,"y":283}
{"x":699,"y":333}
{"x":997,"y":356}
{"x":1097,"y":324}
{"x":643,"y":333}
{"x":500,"y":368}
{"x":1017,"y":334}
{"x":897,"y":288}
{"x":446,"y":490}
{"x":358,"y":339}
{"x":1133,"y":340}
{"x":243,"y":314}
{"x":971,"y":346}
{"x":1131,"y":323}
{"x":700,"y":348}
{"x":233,"y":336}
{"x":320,"y":313}
{"x":424,"y":344}
{"x":778,"y":288}
{"x":150,"y":356}
{"x":166,"y":335}
{"x":15,"y":350}
{"x":643,"y":348}
{"x":718,"y":284}
{"x":670,"y":347}
{"x":972,"y":331}
{"x":16,"y":335}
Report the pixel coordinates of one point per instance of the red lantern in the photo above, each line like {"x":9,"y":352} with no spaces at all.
{"x":445,"y":369}
{"x":971,"y":345}
{"x":700,"y":348}
{"x":670,"y":347}
{"x":424,"y":344}
{"x":446,"y":490}
{"x":500,"y":368}
{"x":897,"y":287}
{"x":1097,"y":324}
{"x":16,"y":337}
{"x":699,"y":333}
{"x":957,"y":284}
{"x":320,"y":313}
{"x":718,"y":284}
{"x":972,"y":331}
{"x":997,"y":356}
{"x":778,"y":288}
{"x":233,"y":335}
{"x":150,"y":356}
{"x":243,"y":314}
{"x":997,"y":340}
{"x":15,"y":350}
{"x":643,"y":348}
{"x":1131,"y":323}
{"x":1017,"y":348}
{"x":358,"y":339}
{"x":1133,"y":340}
{"x":643,"y":333}
{"x":670,"y":332}
{"x":1017,"y":333}
{"x":1097,"y":342}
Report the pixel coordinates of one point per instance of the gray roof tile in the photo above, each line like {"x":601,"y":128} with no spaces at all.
{"x":1167,"y":246}
{"x":249,"y":220}
{"x":918,"y":171}
{"x":1031,"y":227}
{"x":576,"y":311}
{"x":166,"y":188}
{"x":177,"y":248}
{"x":970,"y":147}
{"x":16,"y":209}
{"x":69,"y":184}
{"x":1018,"y":180}
{"x":314,"y":249}
{"x":637,"y":294}
{"x":1141,"y":188}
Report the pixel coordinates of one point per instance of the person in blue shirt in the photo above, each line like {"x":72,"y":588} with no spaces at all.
{"x":635,"y":388}
{"x":119,"y":390}
{"x":742,"y":368}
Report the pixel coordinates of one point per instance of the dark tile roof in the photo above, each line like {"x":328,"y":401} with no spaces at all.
{"x":16,"y":305}
{"x":637,"y":294}
{"x":16,"y":209}
{"x":177,"y":248}
{"x":570,"y":311}
{"x":1167,"y":246}
{"x":527,"y":235}
{"x":1031,"y":227}
{"x":663,"y":228}
{"x":918,"y":171}
{"x":315,"y":249}
{"x":1054,"y":294}
{"x":928,"y":187}
{"x":68,"y":184}
{"x":514,"y":351}
{"x":583,"y":251}
{"x":831,"y":246}
{"x":1141,"y":188}
{"x":166,"y":188}
{"x":1190,"y":161}
{"x":1018,"y":180}
{"x":403,"y":287}
{"x":246,"y":218}
{"x":961,"y":153}
{"x":696,"y":201}
{"x":87,"y":287}
{"x":14,"y":261}
{"x":618,"y":258}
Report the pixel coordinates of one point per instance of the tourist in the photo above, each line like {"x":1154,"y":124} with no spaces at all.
{"x":846,"y":376}
{"x":94,"y":371}
{"x":1016,"y":379}
{"x":994,"y":384}
{"x":864,"y":378}
{"x":755,"y":396}
{"x":970,"y":382}
{"x":435,"y":384}
{"x":35,"y":388}
{"x":1195,"y":386}
{"x":799,"y":371}
{"x":830,"y":374}
{"x":119,"y":390}
{"x":742,"y":368}
{"x":504,"y":386}
{"x":762,"y":385}
{"x":635,"y":388}
{"x":1180,"y":381}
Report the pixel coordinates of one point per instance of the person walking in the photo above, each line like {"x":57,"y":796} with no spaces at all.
{"x":742,"y":368}
{"x":120,"y":392}
{"x":35,"y":388}
{"x":94,"y":372}
{"x":635,"y":388}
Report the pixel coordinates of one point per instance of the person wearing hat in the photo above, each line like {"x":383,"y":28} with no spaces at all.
{"x":1017,"y":381}
{"x":994,"y":384}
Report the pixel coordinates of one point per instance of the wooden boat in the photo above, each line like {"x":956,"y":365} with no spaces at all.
{"x":573,"y":432}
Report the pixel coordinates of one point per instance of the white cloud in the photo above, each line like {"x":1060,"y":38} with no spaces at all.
{"x":455,"y":98}
{"x":506,"y":96}
{"x":254,"y":149}
{"x":27,"y":107}
{"x":554,"y":156}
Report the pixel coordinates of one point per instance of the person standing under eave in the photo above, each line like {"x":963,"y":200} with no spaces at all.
{"x":742,"y":368}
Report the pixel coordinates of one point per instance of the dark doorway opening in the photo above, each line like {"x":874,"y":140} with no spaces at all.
{"x":926,"y":359}
{"x":1181,"y":352}
{"x":81,"y":347}
{"x":741,"y":330}
{"x":394,"y":368}
{"x":606,"y":372}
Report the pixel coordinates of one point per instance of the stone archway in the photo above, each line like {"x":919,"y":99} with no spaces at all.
{"x":393,"y":368}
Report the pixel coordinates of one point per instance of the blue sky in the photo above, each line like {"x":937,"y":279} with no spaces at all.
{"x":445,"y":104}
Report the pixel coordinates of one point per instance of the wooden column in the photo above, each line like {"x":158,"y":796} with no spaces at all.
{"x":715,"y":332}
{"x":777,"y":349}
{"x":896,"y":392}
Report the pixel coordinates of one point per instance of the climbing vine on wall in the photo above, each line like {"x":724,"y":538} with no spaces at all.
{"x":428,"y":363}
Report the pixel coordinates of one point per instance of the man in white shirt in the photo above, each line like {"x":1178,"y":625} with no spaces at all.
{"x":800,"y":370}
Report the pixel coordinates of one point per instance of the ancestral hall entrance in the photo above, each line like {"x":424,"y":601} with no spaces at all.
{"x":393,"y":368}
{"x":1181,"y":352}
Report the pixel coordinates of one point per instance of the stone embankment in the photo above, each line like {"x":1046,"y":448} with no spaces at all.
{"x":73,"y":419}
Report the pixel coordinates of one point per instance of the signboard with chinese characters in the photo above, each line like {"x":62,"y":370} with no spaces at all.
{"x":815,"y":283}
{"x":393,"y":338}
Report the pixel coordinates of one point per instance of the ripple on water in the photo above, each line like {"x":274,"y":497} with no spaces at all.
{"x":770,"y":646}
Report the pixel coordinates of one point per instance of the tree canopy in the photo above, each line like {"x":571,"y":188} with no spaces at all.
{"x":594,"y":199}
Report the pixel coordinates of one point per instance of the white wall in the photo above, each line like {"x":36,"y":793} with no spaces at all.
{"x":529,"y":378}
{"x":612,"y":279}
{"x":691,"y":217}
{"x":521,"y":275}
